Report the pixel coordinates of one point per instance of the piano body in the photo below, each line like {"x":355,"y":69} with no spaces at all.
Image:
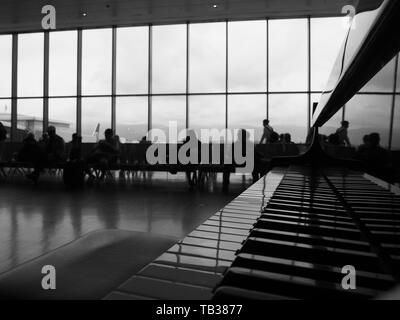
{"x":308,"y":223}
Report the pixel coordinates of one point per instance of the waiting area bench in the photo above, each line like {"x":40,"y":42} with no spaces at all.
{"x":132,"y":159}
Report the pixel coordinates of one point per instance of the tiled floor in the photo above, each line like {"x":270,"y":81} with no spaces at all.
{"x":35,"y":220}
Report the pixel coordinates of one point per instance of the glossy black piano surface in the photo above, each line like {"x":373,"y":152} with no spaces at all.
{"x":287,"y":236}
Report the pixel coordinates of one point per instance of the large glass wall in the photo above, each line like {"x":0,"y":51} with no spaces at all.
{"x":207,"y":57}
{"x":62,"y":115}
{"x":30,"y":65}
{"x":131,"y":118}
{"x":5,"y":65}
{"x":201,"y":75}
{"x":247,"y":51}
{"x":132,"y":61}
{"x":169,"y":59}
{"x":288,"y":114}
{"x":5,"y":81}
{"x":96,"y":62}
{"x":288,"y":70}
{"x":63,"y":63}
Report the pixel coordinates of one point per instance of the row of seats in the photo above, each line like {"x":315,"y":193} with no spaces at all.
{"x":133,"y":158}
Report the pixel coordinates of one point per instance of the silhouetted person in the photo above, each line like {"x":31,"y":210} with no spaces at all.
{"x":54,"y":147}
{"x":289,"y":147}
{"x":3,"y":137}
{"x":49,"y":151}
{"x":342,"y":134}
{"x":43,"y":141}
{"x":75,"y":148}
{"x":105,"y":152}
{"x":376,"y":158}
{"x":31,"y":152}
{"x":269,"y":135}
{"x":3,"y":133}
{"x":144,"y":140}
{"x":288,"y":138}
{"x":362,"y":149}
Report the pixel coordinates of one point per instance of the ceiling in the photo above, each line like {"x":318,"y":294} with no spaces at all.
{"x":26,"y":16}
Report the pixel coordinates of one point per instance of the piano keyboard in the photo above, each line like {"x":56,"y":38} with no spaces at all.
{"x":313,"y":226}
{"x":288,"y":236}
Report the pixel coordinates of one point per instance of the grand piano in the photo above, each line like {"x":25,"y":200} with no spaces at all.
{"x":295,"y":232}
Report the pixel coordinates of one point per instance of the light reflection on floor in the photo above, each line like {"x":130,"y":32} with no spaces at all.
{"x":35,"y":220}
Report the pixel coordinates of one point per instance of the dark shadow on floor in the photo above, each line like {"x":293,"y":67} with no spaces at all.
{"x":87,"y":268}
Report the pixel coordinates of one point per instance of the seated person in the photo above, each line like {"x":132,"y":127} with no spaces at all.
{"x":362,"y":149}
{"x":3,"y":137}
{"x":144,"y":140}
{"x":49,"y":151}
{"x":269,"y":135}
{"x":342,"y":136}
{"x":30,"y":149}
{"x":54,"y":146}
{"x":43,"y":141}
{"x":31,"y":152}
{"x":377,"y":159}
{"x":105,"y":152}
{"x":75,"y":148}
{"x":289,"y":147}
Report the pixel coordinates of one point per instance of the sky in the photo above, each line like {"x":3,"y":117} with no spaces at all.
{"x":246,"y":75}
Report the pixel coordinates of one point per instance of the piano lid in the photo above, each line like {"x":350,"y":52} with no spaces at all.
{"x":372,"y":40}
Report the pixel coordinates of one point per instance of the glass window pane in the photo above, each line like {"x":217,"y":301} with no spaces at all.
{"x":132,"y":60}
{"x":5,"y":65}
{"x":131,"y":118}
{"x":207,"y":57}
{"x":168,"y":108}
{"x":63,"y":63}
{"x":96,"y":113}
{"x":30,"y":116}
{"x":247,"y":56}
{"x":30,"y":65}
{"x":288,"y":114}
{"x":327,"y":37}
{"x":62,"y":115}
{"x":206,"y":112}
{"x":396,"y":125}
{"x":247,"y":112}
{"x":169,"y":59}
{"x":367,"y":114}
{"x":383,"y":81}
{"x":96,"y":61}
{"x":288,"y":55}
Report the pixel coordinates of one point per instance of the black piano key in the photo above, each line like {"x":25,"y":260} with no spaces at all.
{"x":322,"y":255}
{"x":289,"y":285}
{"x":313,"y":271}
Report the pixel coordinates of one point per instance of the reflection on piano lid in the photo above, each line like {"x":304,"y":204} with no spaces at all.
{"x":369,"y":45}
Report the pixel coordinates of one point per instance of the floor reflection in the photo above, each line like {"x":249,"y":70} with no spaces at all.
{"x":36,"y":220}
